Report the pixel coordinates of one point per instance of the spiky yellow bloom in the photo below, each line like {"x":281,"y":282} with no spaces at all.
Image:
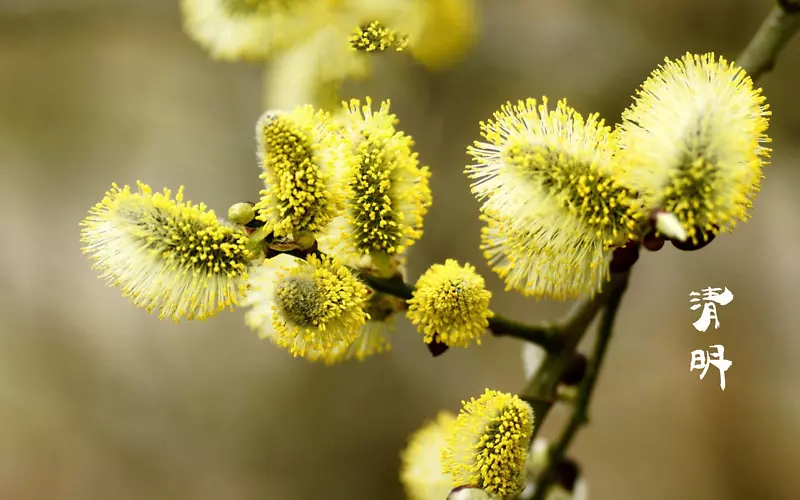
{"x":388,"y":189}
{"x":544,"y":260}
{"x":250,"y":29}
{"x":552,"y":197}
{"x":421,"y":471}
{"x":375,"y":37}
{"x":693,"y":143}
{"x":373,"y":337}
{"x":488,"y":444}
{"x":165,"y":254}
{"x":451,"y":304}
{"x":307,"y":306}
{"x":302,"y":160}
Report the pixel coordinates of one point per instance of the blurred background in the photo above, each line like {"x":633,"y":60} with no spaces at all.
{"x":100,"y":401}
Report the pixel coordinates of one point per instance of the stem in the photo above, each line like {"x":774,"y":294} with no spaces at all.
{"x":389,"y":286}
{"x":780,"y":25}
{"x":552,"y":337}
{"x":579,"y":415}
{"x":546,"y":335}
{"x":540,"y":392}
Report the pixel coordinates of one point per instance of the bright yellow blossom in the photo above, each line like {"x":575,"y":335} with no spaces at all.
{"x":374,"y":336}
{"x":544,"y":261}
{"x":421,"y":461}
{"x":488,"y":444}
{"x":451,"y":304}
{"x":165,"y":254}
{"x":303,"y":161}
{"x":694,"y":141}
{"x":388,"y":189}
{"x":552,"y":198}
{"x":308,"y":306}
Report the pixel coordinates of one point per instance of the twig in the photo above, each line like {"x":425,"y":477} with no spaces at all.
{"x":552,"y":337}
{"x":540,"y":392}
{"x":579,"y":414}
{"x":780,"y":25}
{"x":546,"y":335}
{"x":389,"y":286}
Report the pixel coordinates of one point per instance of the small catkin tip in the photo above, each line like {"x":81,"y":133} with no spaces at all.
{"x":451,"y":305}
{"x":375,"y":37}
{"x":241,"y":213}
{"x":669,"y":225}
{"x":488,"y":444}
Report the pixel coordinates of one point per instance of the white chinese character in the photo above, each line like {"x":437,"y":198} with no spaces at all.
{"x":702,"y":359}
{"x":711,"y":298}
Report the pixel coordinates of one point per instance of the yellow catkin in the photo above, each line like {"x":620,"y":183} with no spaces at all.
{"x":451,"y":305}
{"x":165,"y":254}
{"x":488,"y":444}
{"x":694,"y":143}
{"x":552,"y":198}
{"x":308,"y":306}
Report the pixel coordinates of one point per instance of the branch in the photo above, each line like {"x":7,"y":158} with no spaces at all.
{"x":779,"y":26}
{"x":579,"y":415}
{"x":546,"y":335}
{"x":540,"y":392}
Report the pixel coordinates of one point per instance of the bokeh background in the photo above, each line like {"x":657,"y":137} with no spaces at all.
{"x":100,"y":401}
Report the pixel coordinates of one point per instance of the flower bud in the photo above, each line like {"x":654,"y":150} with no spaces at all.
{"x":576,"y":370}
{"x":669,"y":225}
{"x":241,"y":213}
{"x":690,"y":246}
{"x":624,"y":258}
{"x":652,"y":242}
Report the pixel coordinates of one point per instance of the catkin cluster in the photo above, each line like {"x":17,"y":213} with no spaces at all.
{"x":344,"y":196}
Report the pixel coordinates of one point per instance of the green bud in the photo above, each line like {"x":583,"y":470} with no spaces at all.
{"x":241,"y":213}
